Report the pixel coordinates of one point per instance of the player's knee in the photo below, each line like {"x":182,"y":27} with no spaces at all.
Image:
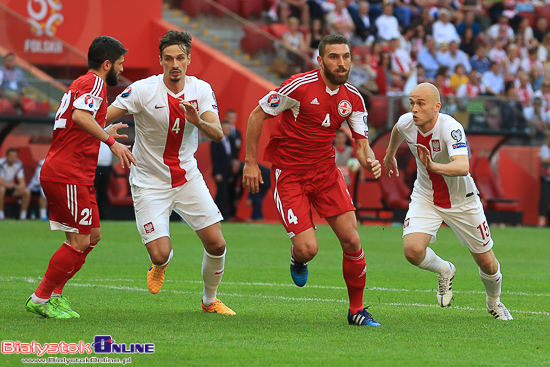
{"x":160,"y":257}
{"x":489,"y":265}
{"x":306,"y":252}
{"x":352,"y":243}
{"x":216,"y":248}
{"x":413,"y":254}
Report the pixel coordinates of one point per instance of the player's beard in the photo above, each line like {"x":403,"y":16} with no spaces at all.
{"x":336,"y":79}
{"x":112,"y":77}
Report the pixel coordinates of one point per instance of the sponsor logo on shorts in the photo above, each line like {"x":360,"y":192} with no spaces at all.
{"x":406,"y":223}
{"x":436,"y":146}
{"x":459,"y":145}
{"x":344,"y":108}
{"x":274,"y":100}
{"x":126,"y":92}
{"x":149,"y":228}
{"x":486,"y":243}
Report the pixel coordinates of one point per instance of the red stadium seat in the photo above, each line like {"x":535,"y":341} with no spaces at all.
{"x":488,"y":184}
{"x":250,"y":7}
{"x":543,"y":11}
{"x":278,"y":29}
{"x":395,"y":192}
{"x":231,"y":5}
{"x":7,"y":107}
{"x":119,"y":192}
{"x":193,"y":7}
{"x":32,"y":108}
{"x":378,"y":111}
{"x":529,"y":15}
{"x":254,"y":41}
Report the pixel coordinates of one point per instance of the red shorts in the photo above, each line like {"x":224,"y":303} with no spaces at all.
{"x":73,"y":208}
{"x":295,"y":191}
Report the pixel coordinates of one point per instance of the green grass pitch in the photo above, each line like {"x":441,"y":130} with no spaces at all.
{"x":277,"y":323}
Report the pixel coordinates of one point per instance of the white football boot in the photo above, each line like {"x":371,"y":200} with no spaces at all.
{"x":445,"y":286}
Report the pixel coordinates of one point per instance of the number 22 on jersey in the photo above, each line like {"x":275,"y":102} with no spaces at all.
{"x":61,"y":123}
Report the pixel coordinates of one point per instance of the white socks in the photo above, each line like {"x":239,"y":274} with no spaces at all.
{"x":23,"y":215}
{"x":2,"y":216}
{"x":212,"y":272}
{"x":38,"y":301}
{"x":433,"y":263}
{"x":493,"y":285}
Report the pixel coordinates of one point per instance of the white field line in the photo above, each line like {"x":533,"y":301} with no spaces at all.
{"x":298,"y":299}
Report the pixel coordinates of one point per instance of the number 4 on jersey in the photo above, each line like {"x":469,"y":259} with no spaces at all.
{"x":176,"y":127}
{"x":326,"y":121}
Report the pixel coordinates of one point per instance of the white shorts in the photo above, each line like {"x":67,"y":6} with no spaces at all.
{"x":467,"y":221}
{"x":192,"y":201}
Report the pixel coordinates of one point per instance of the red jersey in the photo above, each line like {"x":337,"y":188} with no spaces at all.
{"x":72,"y":157}
{"x":311,"y":115}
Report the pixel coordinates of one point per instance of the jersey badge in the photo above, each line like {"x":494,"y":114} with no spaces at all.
{"x":215,"y":107}
{"x":344,"y":108}
{"x":89,"y":101}
{"x":315,"y":101}
{"x":459,"y":145}
{"x":274,"y":100}
{"x":195,"y":104}
{"x":456,"y":135}
{"x":149,"y":228}
{"x":436,"y":147}
{"x":126,"y":92}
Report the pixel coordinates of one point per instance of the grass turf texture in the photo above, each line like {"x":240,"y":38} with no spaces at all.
{"x":277,"y":323}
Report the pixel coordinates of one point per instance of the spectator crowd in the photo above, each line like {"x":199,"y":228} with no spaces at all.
{"x":466,"y":48}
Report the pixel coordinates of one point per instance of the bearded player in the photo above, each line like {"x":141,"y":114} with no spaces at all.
{"x":169,"y":110}
{"x":67,"y":175}
{"x":443,"y":191}
{"x":314,"y":105}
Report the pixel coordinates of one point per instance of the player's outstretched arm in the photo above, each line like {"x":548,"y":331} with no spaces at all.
{"x":86,"y":122}
{"x":366,"y":157}
{"x":113,"y":114}
{"x":208,"y":122}
{"x":459,"y":165}
{"x":252,"y":176}
{"x":390,"y":163}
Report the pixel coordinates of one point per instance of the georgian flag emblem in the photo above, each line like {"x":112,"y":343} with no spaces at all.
{"x":344,"y":108}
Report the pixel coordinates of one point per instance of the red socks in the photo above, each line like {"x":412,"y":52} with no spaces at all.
{"x":61,"y":268}
{"x":79,"y":262}
{"x":355,"y":275}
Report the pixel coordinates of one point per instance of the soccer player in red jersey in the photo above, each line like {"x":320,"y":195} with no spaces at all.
{"x":67,"y":175}
{"x":314,"y":105}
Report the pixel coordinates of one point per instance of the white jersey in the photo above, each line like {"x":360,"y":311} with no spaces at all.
{"x":165,"y":142}
{"x":445,"y":140}
{"x":10,"y":173}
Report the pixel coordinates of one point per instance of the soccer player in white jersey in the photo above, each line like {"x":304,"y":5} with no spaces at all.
{"x":169,"y":110}
{"x":443,"y":191}
{"x":313,"y":106}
